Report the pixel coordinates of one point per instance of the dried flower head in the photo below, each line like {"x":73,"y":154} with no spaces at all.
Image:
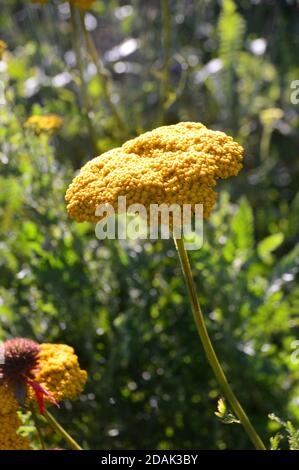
{"x":59,"y":372}
{"x":40,"y":124}
{"x":178,"y":164}
{"x":3,"y":47}
{"x":20,"y":360}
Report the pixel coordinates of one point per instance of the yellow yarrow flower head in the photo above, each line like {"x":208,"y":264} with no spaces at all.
{"x":9,"y":438}
{"x":83,"y":4}
{"x":177,"y":164}
{"x":8,"y":403}
{"x":59,"y":372}
{"x":39,"y":1}
{"x":3,"y":47}
{"x":9,"y":422}
{"x":48,"y":123}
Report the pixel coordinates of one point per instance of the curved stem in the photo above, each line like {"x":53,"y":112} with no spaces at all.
{"x":84,"y":96}
{"x":209,"y":350}
{"x":103,"y":75}
{"x":61,"y":431}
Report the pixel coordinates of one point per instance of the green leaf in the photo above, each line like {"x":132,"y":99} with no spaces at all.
{"x":223,"y":414}
{"x":289,"y":264}
{"x":268,"y":245}
{"x":241,"y":242}
{"x":275,"y":441}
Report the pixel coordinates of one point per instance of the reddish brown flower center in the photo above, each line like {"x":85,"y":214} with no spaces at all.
{"x":20,"y":359}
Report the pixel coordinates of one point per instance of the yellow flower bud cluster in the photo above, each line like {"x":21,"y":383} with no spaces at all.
{"x":9,"y":422}
{"x":177,"y":164}
{"x":48,"y":123}
{"x":59,"y":373}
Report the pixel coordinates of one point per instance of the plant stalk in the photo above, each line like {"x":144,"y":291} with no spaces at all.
{"x":38,"y":428}
{"x":84,"y":96}
{"x":103,"y":75}
{"x":209,"y":350}
{"x":61,"y":431}
{"x":166,"y":59}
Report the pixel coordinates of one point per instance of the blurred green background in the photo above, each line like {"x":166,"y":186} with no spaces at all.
{"x":123,"y":305}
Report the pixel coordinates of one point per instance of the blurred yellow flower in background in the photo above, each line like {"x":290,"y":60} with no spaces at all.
{"x":270,"y":116}
{"x":3,"y":47}
{"x":48,"y":123}
{"x":83,"y":4}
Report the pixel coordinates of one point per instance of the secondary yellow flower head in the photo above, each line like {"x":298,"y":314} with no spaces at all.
{"x":9,"y":422}
{"x":9,"y":439}
{"x":39,"y":1}
{"x":59,"y":373}
{"x":177,"y":164}
{"x":48,"y":123}
{"x":3,"y":47}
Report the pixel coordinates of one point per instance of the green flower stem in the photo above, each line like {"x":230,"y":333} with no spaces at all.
{"x":38,"y":428}
{"x":166,"y":60}
{"x":209,"y":350}
{"x":84,"y":96}
{"x":103,"y":75}
{"x":61,"y":431}
{"x":265,"y":143}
